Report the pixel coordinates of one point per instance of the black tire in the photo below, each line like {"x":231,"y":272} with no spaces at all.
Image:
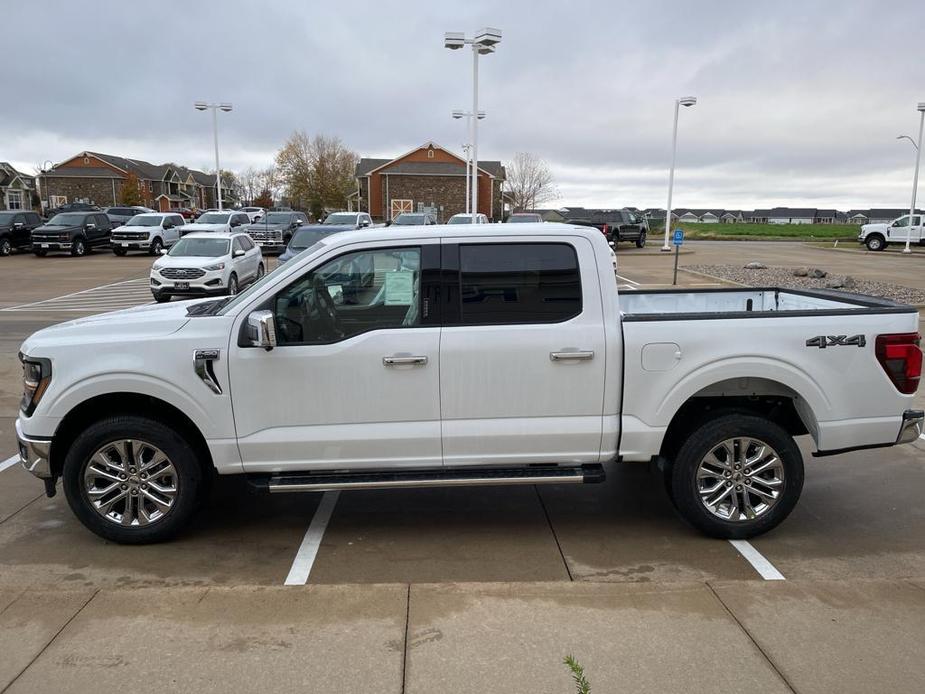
{"x":156,"y":246}
{"x":160,"y":297}
{"x":875,"y":242}
{"x":682,"y":475}
{"x":232,"y":284}
{"x":641,"y":241}
{"x":41,"y":253}
{"x":137,"y":429}
{"x":6,"y":247}
{"x":79,"y":247}
{"x":119,"y":251}
{"x":261,"y":271}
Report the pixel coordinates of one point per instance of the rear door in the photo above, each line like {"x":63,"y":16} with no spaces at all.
{"x":522,"y":352}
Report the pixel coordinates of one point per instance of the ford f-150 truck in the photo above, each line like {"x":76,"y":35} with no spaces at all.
{"x":475,"y":356}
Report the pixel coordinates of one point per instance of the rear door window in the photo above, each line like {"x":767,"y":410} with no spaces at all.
{"x":518,"y":283}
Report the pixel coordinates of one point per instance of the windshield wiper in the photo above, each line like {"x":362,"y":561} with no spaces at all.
{"x":208,"y":308}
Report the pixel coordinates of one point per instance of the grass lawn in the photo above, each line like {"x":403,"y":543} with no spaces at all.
{"x":795,"y":232}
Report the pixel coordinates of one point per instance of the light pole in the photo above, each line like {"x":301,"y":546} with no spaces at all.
{"x":906,"y":137}
{"x":483,"y":43}
{"x":467,"y":147}
{"x":202,"y":106}
{"x":915,"y":179}
{"x":683,"y":101}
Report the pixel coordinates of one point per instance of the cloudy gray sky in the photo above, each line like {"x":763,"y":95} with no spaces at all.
{"x":799,"y":102}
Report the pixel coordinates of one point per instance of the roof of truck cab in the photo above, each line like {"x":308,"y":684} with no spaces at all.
{"x":449,"y":231}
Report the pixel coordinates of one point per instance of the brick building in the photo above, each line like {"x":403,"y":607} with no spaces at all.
{"x":428,"y":176}
{"x":99,"y":178}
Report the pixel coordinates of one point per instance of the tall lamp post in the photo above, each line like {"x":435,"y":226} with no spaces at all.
{"x":482,"y":43}
{"x":906,"y":137}
{"x":202,"y":106}
{"x":467,"y":148}
{"x":915,"y":179}
{"x":683,"y":101}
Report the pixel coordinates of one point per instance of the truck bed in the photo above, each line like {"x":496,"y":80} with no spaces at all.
{"x":691,"y":304}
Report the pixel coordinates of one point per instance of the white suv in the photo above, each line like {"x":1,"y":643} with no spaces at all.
{"x":149,"y":232}
{"x":206,"y":264}
{"x":254,"y":213}
{"x":219,"y":220}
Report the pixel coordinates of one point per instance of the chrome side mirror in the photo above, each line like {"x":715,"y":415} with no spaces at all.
{"x":261,"y":329}
{"x":163,"y":251}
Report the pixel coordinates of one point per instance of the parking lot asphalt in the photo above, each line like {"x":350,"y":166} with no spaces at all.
{"x":464,"y":589}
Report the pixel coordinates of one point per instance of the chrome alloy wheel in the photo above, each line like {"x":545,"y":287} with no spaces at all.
{"x":740,"y":479}
{"x":130,"y":483}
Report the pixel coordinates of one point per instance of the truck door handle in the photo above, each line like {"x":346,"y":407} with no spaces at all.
{"x":583,"y":355}
{"x":398,"y":361}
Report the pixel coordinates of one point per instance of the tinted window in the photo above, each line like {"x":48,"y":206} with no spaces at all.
{"x":340,"y":299}
{"x":246,"y":243}
{"x":518,"y":283}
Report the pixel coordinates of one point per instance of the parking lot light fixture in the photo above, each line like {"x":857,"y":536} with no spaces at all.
{"x":685,"y":101}
{"x":224,"y":107}
{"x":457,"y":114}
{"x":915,"y":180}
{"x":484,"y":43}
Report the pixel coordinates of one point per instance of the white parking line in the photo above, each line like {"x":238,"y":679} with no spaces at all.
{"x":308,"y":550}
{"x":9,"y":462}
{"x":628,"y":280}
{"x":107,"y":297}
{"x":765,"y":569}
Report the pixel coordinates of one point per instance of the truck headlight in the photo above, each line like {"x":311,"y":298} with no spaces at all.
{"x":36,"y":375}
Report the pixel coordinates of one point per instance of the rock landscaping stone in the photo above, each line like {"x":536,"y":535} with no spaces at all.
{"x":756,"y":266}
{"x":786,"y":277}
{"x":801,"y":272}
{"x":817,"y":273}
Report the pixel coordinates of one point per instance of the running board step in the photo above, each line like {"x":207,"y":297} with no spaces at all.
{"x":442,"y":477}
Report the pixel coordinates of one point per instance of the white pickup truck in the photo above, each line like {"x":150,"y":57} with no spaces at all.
{"x":462,"y":355}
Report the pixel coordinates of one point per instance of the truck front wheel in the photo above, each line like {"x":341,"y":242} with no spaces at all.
{"x":736,"y":476}
{"x":875,"y":242}
{"x":131,"y":480}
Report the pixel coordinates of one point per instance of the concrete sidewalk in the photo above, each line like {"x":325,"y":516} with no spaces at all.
{"x":755,"y":636}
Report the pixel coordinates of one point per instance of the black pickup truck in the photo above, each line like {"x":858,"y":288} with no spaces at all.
{"x":16,"y":229}
{"x":75,"y":232}
{"x":616,"y":225}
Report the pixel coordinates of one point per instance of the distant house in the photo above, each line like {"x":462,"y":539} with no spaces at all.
{"x":100,"y":178}
{"x":16,"y":188}
{"x":825,"y":216}
{"x":548,"y":215}
{"x":731,"y":217}
{"x":429,"y":177}
{"x":699,"y":216}
{"x":791,"y":215}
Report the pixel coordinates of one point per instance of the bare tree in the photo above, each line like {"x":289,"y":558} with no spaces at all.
{"x":317,"y":172}
{"x":529,"y":181}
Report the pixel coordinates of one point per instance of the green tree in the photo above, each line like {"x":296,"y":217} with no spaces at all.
{"x":316,"y":172}
{"x":131,"y":191}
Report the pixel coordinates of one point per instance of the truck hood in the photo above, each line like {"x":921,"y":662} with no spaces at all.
{"x":57,"y":229}
{"x":187,"y":261}
{"x":133,"y":324}
{"x":258,"y":226}
{"x":195,"y":226}
{"x":867,"y":228}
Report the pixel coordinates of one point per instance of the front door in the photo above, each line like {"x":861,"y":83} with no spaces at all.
{"x":899,"y":230}
{"x":399,"y":206}
{"x":353,"y":381}
{"x":522,"y":362}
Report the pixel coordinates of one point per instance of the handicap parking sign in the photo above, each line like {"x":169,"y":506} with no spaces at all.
{"x":678,"y":237}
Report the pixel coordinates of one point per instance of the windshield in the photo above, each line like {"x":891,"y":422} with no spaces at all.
{"x":199,"y":248}
{"x":214,"y":218}
{"x":341,"y":219}
{"x":257,"y":286}
{"x":521,"y":218}
{"x":410,"y":219}
{"x":305,"y":238}
{"x":462,"y":219}
{"x":144,"y":221}
{"x":276,"y":218}
{"x":66,"y":219}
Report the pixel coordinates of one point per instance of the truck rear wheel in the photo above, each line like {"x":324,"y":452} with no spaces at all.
{"x":736,"y":476}
{"x":132,"y":480}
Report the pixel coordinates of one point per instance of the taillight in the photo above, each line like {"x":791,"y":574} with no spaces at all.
{"x":604,"y":230}
{"x":901,"y":358}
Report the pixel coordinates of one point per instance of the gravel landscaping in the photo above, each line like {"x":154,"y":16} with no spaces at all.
{"x":810,"y":278}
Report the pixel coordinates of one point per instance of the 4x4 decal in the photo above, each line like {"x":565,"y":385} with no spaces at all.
{"x":823,"y":341}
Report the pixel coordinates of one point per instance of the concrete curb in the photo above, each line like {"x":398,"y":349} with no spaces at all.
{"x":858,"y":251}
{"x":732,"y":283}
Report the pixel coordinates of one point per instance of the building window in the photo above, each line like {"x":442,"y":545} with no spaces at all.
{"x":14,"y":200}
{"x":430,"y":154}
{"x":86,"y":160}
